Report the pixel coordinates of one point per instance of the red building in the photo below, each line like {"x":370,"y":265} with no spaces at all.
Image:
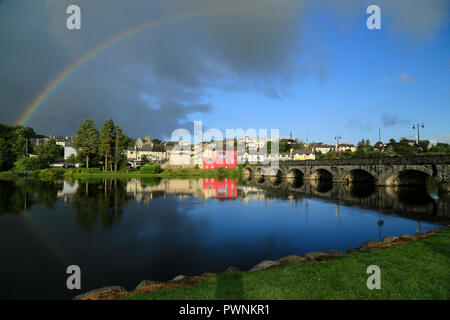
{"x":223,"y":159}
{"x":226,"y":188}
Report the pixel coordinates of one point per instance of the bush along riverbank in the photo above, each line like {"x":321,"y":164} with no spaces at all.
{"x":412,"y":267}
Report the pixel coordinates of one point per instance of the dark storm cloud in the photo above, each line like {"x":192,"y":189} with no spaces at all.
{"x":235,"y":45}
{"x":158,"y":80}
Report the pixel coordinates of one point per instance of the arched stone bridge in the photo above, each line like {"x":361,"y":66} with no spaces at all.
{"x":381,"y":171}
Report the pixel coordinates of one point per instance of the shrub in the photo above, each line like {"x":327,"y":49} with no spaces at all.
{"x":28,"y":164}
{"x":151,"y":168}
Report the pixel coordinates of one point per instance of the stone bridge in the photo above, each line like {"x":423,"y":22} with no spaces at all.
{"x":393,"y":171}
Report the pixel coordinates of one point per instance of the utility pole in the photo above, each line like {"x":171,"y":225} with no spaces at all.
{"x":337,"y":144}
{"x":379,"y":134}
{"x":418,"y":125}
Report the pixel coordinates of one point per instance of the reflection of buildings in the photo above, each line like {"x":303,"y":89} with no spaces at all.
{"x":68,"y":191}
{"x":198,"y":188}
{"x":226,"y":188}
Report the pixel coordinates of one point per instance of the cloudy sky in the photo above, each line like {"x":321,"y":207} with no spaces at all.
{"x":310,"y":67}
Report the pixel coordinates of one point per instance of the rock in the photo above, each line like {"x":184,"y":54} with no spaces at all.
{"x":433,"y":231}
{"x":178,"y":278}
{"x":317,"y":256}
{"x":420,"y":233}
{"x":293,"y":258}
{"x":406,"y":237}
{"x":264,"y":265}
{"x":370,"y":244}
{"x":336,"y":253}
{"x":232,"y":269}
{"x":389,"y":239}
{"x":145,"y":283}
{"x":352,"y":250}
{"x":103,"y":290}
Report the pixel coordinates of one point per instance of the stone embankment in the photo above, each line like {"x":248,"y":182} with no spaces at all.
{"x":115,"y":292}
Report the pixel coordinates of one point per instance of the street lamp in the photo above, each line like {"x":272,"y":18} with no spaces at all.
{"x":418,"y":125}
{"x":337,"y":144}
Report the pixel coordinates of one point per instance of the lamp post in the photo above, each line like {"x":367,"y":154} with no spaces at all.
{"x":337,"y":144}
{"x":418,"y":125}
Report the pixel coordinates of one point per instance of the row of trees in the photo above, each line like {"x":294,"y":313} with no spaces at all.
{"x":94,"y":148}
{"x":15,"y":149}
{"x":103,"y":147}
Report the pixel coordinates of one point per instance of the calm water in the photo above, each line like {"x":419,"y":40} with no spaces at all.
{"x":123,"y":231}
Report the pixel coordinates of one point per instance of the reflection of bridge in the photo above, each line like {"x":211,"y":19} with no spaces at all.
{"x":382,"y":171}
{"x":407,"y":201}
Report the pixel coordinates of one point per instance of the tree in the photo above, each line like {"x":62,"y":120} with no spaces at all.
{"x":105,"y":141}
{"x":121,"y":142}
{"x":20,"y":140}
{"x":72,"y":159}
{"x":49,"y":152}
{"x":363,"y":149}
{"x":86,"y":140}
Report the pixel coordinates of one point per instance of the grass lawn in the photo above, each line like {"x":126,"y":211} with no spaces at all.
{"x":417,"y":270}
{"x":168,"y":173}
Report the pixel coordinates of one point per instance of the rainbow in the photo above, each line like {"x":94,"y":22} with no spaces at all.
{"x":114,"y":41}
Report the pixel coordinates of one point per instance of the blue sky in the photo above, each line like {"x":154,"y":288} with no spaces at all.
{"x":376,"y":79}
{"x":310,"y":67}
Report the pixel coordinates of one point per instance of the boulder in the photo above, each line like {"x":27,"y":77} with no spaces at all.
{"x":389,"y":239}
{"x":232,"y":269}
{"x":293,"y":258}
{"x":336,"y":253}
{"x":406,"y":237}
{"x":178,"y":278}
{"x":103,"y":290}
{"x":264,"y":265}
{"x":317,"y":256}
{"x":370,"y":244}
{"x":145,"y":283}
{"x":352,"y":250}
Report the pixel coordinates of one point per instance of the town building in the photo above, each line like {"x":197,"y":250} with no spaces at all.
{"x":220,"y":159}
{"x":69,"y":150}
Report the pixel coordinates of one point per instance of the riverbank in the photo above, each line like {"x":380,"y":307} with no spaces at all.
{"x":167,"y":173}
{"x":412,"y":267}
{"x":58,"y":173}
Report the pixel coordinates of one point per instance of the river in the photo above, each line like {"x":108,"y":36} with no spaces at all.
{"x":120,"y":232}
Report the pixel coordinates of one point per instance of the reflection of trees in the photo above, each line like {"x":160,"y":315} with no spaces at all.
{"x":18,"y":195}
{"x":99,"y":199}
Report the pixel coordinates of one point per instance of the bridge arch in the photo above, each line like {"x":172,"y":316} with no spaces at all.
{"x":295,"y":174}
{"x":259,"y":175}
{"x":321,"y":174}
{"x":358,"y":176}
{"x":248,"y":173}
{"x":411,"y":177}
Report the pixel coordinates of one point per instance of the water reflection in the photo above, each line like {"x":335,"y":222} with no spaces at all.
{"x":123,"y":231}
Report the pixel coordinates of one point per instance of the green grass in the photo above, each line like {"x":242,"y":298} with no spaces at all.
{"x":418,"y":270}
{"x":172,"y":173}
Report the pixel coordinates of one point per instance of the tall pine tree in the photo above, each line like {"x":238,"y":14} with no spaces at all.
{"x":105,"y":147}
{"x":86,"y":140}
